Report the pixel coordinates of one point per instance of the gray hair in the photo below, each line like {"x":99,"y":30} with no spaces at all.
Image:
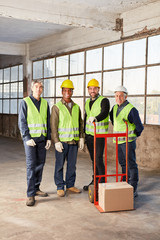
{"x":36,"y":81}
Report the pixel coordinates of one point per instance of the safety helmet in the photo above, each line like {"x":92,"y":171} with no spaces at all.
{"x":67,"y":84}
{"x":93,"y":83}
{"x":121,"y":89}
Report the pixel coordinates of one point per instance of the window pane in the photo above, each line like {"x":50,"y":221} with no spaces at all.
{"x":97,"y":76}
{"x":7,"y":75}
{"x":58,"y":86}
{"x":20,"y":72}
{"x":154,"y":49}
{"x":49,"y":87}
{"x":77,"y":63}
{"x":13,"y":90}
{"x":50,"y":102}
{"x":79,"y":101}
{"x":134,"y":53}
{"x":0,"y":91}
{"x":49,"y":67}
{"x":134,"y":80}
{"x":13,"y":106}
{"x":153,"y":110}
{"x":1,"y":75}
{"x":5,"y":106}
{"x":20,"y":90}
{"x":138,"y":103}
{"x":37,"y":69}
{"x":14,"y":74}
{"x":110,"y":81}
{"x":0,"y":106}
{"x":112,"y":102}
{"x":94,"y":60}
{"x":6,"y":91}
{"x":113,"y":57}
{"x":153,"y":80}
{"x":78,"y":83}
{"x":62,"y":65}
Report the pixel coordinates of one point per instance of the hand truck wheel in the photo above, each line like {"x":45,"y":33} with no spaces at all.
{"x":91,"y":193}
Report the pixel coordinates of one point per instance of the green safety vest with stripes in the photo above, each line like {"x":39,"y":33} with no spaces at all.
{"x":37,"y":120}
{"x":68,"y":127}
{"x":120,"y":126}
{"x":102,"y":126}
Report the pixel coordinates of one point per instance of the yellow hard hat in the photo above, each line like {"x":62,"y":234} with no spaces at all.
{"x":93,"y":83}
{"x":67,"y":84}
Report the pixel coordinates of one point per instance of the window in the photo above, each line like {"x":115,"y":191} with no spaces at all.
{"x":134,"y":64}
{"x":11,"y":89}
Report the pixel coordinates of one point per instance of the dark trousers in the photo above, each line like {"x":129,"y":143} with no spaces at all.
{"x":35,"y":160}
{"x":132,"y":165}
{"x":100,"y":143}
{"x":70,"y":154}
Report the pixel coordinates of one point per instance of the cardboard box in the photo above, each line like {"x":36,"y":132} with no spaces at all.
{"x":117,"y":196}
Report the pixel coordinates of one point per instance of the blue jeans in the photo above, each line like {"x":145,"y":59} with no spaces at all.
{"x":35,"y":160}
{"x":132,"y":165}
{"x":70,"y":154}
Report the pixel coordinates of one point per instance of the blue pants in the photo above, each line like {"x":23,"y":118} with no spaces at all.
{"x":70,"y":154}
{"x":132,"y":165}
{"x":35,"y":160}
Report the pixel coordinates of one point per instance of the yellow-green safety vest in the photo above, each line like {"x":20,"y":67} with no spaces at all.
{"x":37,"y":120}
{"x":102,"y":126}
{"x":120,"y":126}
{"x":68,"y":127}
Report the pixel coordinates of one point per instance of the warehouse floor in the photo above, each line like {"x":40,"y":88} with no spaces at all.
{"x":71,"y":217}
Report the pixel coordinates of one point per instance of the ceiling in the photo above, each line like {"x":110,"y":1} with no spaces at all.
{"x":19,"y":24}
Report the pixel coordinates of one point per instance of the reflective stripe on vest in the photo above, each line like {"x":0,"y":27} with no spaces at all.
{"x":102,"y":126}
{"x":37,"y":120}
{"x":120,"y":126}
{"x":68,"y":127}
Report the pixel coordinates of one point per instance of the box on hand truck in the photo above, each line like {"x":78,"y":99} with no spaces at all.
{"x":115,"y":196}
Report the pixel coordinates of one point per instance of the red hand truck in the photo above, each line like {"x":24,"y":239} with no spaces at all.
{"x":93,"y":189}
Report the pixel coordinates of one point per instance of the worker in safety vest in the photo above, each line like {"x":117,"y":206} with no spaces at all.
{"x":96,"y":110}
{"x":34,"y":125}
{"x":67,"y":132}
{"x":124,"y":110}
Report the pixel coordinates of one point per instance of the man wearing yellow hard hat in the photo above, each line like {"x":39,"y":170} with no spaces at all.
{"x":67,"y":132}
{"x":96,"y":110}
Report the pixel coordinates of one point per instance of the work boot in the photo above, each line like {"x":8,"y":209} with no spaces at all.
{"x":85,"y":188}
{"x":74,"y":189}
{"x":30,"y":201}
{"x":41,"y":194}
{"x":60,"y":193}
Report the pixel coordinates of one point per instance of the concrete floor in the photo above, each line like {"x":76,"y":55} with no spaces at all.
{"x":71,"y":217}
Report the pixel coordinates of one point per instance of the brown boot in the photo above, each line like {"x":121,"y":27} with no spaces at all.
{"x":30,"y":201}
{"x":60,"y":193}
{"x":74,"y":189}
{"x":41,"y":194}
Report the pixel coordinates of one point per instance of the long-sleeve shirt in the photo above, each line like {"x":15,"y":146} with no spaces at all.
{"x":23,"y":125}
{"x":105,"y":106}
{"x":54,"y":122}
{"x":133,"y":117}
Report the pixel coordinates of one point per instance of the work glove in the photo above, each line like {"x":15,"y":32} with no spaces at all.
{"x":48,"y":144}
{"x":59,"y":147}
{"x":31,"y":143}
{"x":81,"y":143}
{"x":91,"y":120}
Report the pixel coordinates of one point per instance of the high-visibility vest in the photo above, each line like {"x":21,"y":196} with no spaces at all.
{"x":37,"y":120}
{"x":68,"y":127}
{"x":102,"y":126}
{"x":120,"y":126}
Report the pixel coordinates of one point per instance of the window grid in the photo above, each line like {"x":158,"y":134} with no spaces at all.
{"x":12,"y":100}
{"x":84,"y":97}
